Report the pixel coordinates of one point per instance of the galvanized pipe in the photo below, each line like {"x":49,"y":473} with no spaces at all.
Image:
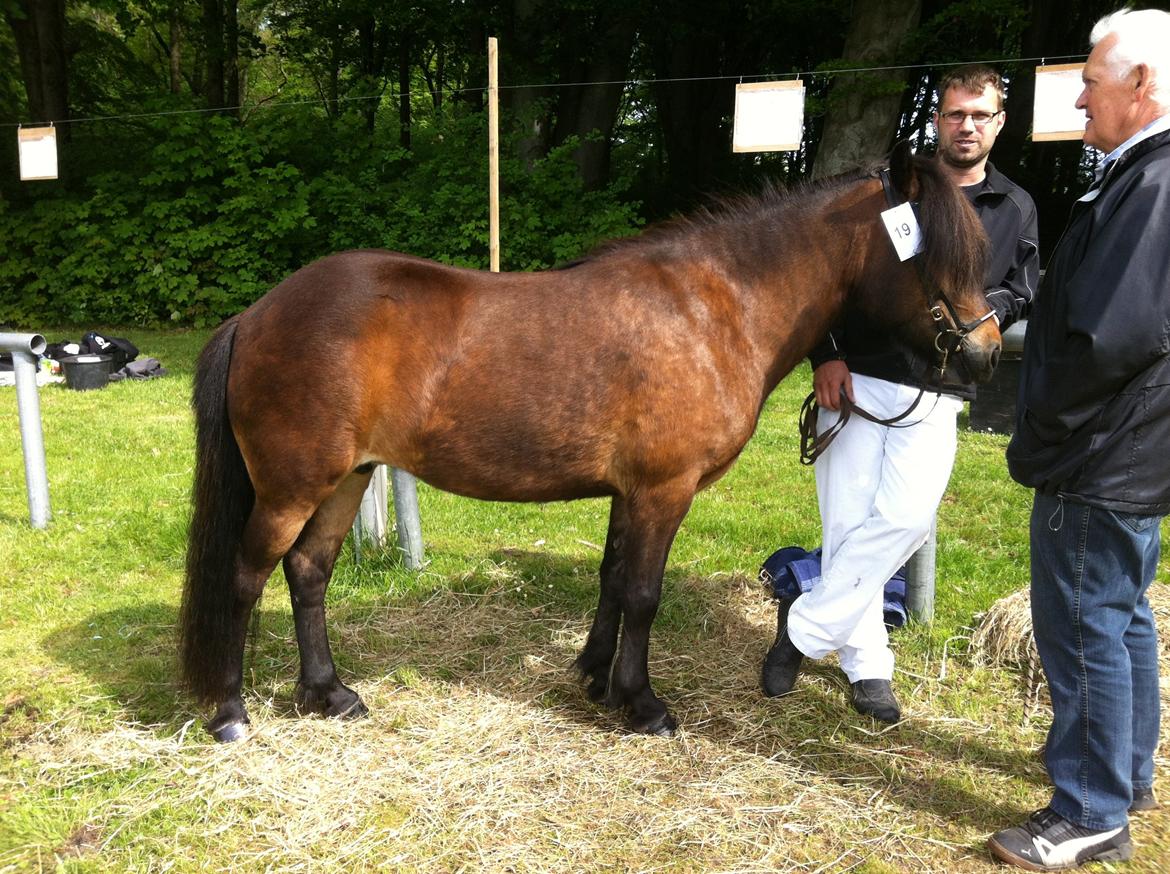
{"x":406,"y":515}
{"x":920,"y":573}
{"x":26,"y":350}
{"x":370,"y":525}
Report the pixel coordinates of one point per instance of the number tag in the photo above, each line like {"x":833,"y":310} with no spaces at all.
{"x":902,"y":226}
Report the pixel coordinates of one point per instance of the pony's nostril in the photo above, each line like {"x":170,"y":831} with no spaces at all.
{"x":995,"y":357}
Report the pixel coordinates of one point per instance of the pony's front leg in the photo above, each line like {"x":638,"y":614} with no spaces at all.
{"x":654,"y":517}
{"x":596,"y":657}
{"x":308,"y":566}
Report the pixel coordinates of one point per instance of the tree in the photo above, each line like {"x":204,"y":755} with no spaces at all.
{"x":863,"y":108}
{"x":38,"y":27}
{"x":600,"y":42}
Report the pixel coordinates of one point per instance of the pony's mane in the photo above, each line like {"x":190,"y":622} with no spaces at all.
{"x":955,"y":247}
{"x":724,"y":212}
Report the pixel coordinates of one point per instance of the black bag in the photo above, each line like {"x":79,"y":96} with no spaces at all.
{"x":121,"y":348}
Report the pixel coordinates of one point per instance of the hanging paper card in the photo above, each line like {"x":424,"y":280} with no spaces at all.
{"x":38,"y":152}
{"x":769,"y":117}
{"x":1054,"y":112}
{"x":905,"y":234}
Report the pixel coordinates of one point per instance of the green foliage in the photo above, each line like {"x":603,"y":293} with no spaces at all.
{"x":200,"y":221}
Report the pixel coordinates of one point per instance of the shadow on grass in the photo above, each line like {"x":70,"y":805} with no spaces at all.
{"x":704,"y":659}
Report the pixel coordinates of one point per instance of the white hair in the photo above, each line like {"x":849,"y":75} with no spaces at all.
{"x":1143,"y":37}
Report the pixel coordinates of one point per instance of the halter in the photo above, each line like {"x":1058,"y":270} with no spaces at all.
{"x":951,"y":333}
{"x":951,"y":330}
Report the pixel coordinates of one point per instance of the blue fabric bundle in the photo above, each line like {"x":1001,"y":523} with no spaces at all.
{"x":794,"y":570}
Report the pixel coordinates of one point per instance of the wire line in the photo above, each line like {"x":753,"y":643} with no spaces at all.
{"x":543,"y":85}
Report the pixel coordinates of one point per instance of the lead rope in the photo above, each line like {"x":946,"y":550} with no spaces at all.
{"x":813,"y":445}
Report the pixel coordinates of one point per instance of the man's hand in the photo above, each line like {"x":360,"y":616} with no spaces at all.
{"x":828,"y":380}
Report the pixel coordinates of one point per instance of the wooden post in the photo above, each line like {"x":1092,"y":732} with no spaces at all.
{"x":493,"y":156}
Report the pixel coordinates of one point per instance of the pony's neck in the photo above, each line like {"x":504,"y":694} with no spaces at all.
{"x":790,"y":307}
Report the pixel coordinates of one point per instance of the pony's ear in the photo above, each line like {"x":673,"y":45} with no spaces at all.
{"x":902,"y":169}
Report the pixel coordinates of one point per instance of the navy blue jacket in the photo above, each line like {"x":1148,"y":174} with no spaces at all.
{"x":1093,"y":413}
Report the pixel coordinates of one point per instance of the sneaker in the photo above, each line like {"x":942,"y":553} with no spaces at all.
{"x":1144,"y":801}
{"x":782,"y":663}
{"x":876,"y":698}
{"x":1049,"y":842}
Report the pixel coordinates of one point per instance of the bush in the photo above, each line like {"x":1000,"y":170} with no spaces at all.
{"x":213,"y":213}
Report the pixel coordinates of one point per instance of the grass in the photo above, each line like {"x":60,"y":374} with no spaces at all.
{"x":482,"y":752}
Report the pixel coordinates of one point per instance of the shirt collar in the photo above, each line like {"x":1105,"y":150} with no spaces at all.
{"x":1157,"y":126}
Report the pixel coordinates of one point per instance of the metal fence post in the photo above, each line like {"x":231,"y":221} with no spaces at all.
{"x":406,"y":518}
{"x":371,"y":525}
{"x":26,"y":349}
{"x":920,"y":578}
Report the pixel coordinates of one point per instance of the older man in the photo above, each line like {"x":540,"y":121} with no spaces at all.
{"x":1093,"y":439}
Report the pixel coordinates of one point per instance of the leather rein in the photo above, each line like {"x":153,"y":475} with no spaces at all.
{"x":951,"y":331}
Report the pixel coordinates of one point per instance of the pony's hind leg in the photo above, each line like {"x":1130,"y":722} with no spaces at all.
{"x":308,"y":567}
{"x":596,"y":656}
{"x":654,"y":516}
{"x":267,"y":536}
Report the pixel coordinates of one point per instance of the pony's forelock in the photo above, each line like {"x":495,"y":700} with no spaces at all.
{"x":956,"y":246}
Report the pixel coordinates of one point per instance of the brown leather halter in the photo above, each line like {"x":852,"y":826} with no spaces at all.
{"x":951,"y":330}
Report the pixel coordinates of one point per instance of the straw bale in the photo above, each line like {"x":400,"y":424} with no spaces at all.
{"x":1003,"y":638}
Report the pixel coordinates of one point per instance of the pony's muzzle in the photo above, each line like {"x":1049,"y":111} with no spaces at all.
{"x":981,"y":350}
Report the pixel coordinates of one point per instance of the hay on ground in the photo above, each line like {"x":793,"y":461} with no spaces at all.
{"x":1003,"y":638}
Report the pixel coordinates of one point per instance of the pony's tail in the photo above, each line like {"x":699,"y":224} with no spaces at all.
{"x":222,"y":501}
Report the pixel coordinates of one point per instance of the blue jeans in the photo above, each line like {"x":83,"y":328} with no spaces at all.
{"x":1095,"y":633}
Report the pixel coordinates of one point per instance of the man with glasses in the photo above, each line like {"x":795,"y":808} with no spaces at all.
{"x":878,"y":488}
{"x":1093,"y":439}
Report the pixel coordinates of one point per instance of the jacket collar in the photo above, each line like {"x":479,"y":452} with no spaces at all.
{"x":1127,"y":158}
{"x":993,"y":182}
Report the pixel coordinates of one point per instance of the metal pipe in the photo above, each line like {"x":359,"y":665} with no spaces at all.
{"x":407,"y":520}
{"x":920,"y":577}
{"x":26,"y":349}
{"x":369,"y":527}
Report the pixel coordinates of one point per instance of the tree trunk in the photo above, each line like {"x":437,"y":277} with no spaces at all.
{"x":863,"y":107}
{"x":213,"y":53}
{"x":522,"y":37}
{"x":231,"y":38}
{"x":590,"y":112}
{"x":693,"y":116}
{"x":174,"y":51}
{"x":39,"y":29}
{"x":404,"y":92}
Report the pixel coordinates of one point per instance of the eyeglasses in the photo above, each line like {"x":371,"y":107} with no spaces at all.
{"x":979,"y":119}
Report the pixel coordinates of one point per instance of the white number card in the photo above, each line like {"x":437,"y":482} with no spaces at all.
{"x":902,"y":226}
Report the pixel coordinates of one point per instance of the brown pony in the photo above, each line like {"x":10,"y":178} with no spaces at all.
{"x":638,"y":372}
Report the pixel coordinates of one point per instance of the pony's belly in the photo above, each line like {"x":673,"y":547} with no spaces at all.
{"x":523,"y":486}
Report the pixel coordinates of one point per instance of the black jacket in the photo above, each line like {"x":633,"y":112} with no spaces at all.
{"x":1093,"y":414}
{"x":1009,"y":217}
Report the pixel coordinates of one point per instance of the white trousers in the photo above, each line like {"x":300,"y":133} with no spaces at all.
{"x":878,"y":488}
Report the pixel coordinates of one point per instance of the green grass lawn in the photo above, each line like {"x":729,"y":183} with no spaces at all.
{"x":87,"y":614}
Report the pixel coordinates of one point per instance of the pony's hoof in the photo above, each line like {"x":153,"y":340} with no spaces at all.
{"x":597,"y":690}
{"x":356,"y":709}
{"x":338,"y":701}
{"x":662,"y":726}
{"x":229,"y":733}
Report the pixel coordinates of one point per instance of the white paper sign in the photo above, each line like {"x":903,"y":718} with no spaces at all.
{"x":1054,"y":112}
{"x":769,"y":116}
{"x":905,"y":234}
{"x":38,"y":152}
